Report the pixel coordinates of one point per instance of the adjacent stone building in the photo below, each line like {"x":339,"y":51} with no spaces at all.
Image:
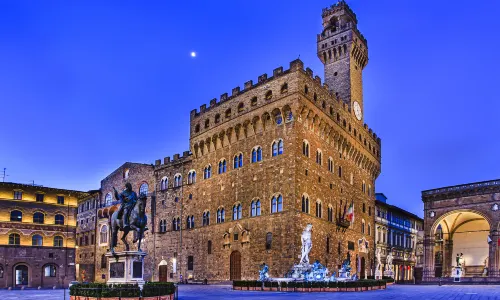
{"x":85,"y":259}
{"x":396,"y":231}
{"x":37,"y":235}
{"x":264,"y":161}
{"x":462,"y":219}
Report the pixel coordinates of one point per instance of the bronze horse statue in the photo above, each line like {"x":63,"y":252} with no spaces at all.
{"x":137,"y":220}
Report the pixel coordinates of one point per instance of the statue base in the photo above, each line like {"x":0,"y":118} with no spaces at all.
{"x":457,"y":273}
{"x":126,"y":267}
{"x":389,"y":273}
{"x":299,"y":270}
{"x":378,"y":274}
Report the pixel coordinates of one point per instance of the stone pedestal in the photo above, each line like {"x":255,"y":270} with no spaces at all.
{"x":457,"y":273}
{"x":126,"y":267}
{"x":389,"y":273}
{"x":378,"y":274}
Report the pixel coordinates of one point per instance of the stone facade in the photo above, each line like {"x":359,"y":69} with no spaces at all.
{"x":86,"y":260}
{"x":262,"y":163}
{"x":397,"y":230}
{"x":462,"y":219}
{"x":37,"y":235}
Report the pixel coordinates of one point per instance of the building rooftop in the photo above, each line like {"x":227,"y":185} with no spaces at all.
{"x":381,"y":200}
{"x":462,"y":190}
{"x":14,"y":185}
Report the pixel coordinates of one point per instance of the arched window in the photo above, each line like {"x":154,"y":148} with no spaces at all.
{"x":238,"y":161}
{"x":241,"y":106}
{"x":340,"y":171}
{"x":278,"y":118}
{"x":237,"y":212}
{"x":163,"y":225}
{"x":126,"y":173}
{"x":269,"y":241}
{"x":164,"y":183}
{"x":305,"y":204}
{"x":190,"y":222}
{"x":58,"y":241}
{"x":228,"y":113}
{"x":222,"y":166}
{"x":319,"y":157}
{"x":143,"y":190}
{"x":177,"y":180}
{"x":59,"y":219}
{"x":269,"y":95}
{"x":37,"y":240}
{"x":197,"y":128}
{"x":207,"y":123}
{"x":284,"y":88}
{"x":256,"y":154}
{"x":255,"y":208}
{"x":319,"y":211}
{"x":330,"y":164}
{"x":38,"y":217}
{"x":330,"y":213}
{"x":276,"y":204}
{"x":209,"y":247}
{"x":220,"y":215}
{"x":369,"y":229}
{"x":217,"y":119}
{"x":363,"y":226}
{"x":277,"y":147}
{"x":50,"y":271}
{"x":14,"y":239}
{"x":253,"y":102}
{"x":206,"y":218}
{"x":306,"y":89}
{"x":192,"y":177}
{"x":207,"y":172}
{"x":108,"y":199}
{"x":103,"y":235}
{"x":305,"y":148}
{"x":176,"y":224}
{"x":16,"y":216}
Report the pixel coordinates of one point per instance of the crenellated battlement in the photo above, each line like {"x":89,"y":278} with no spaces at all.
{"x":338,"y":8}
{"x":249,"y":85}
{"x":177,"y":159}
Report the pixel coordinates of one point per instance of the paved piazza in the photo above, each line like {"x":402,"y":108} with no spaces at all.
{"x":224,"y":292}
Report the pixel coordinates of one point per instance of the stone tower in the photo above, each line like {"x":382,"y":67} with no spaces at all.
{"x":344,"y":52}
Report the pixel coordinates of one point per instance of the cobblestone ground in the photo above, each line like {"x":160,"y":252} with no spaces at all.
{"x":190,"y":292}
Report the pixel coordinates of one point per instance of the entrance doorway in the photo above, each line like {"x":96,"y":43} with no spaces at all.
{"x":235,"y":266}
{"x":21,"y":275}
{"x":163,"y":271}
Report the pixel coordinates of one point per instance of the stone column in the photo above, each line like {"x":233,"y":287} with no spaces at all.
{"x":447,"y":257}
{"x":493,"y":260}
{"x":428,"y":271}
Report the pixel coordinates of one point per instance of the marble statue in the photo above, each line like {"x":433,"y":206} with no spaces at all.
{"x":318,"y":272}
{"x":264,"y":272}
{"x":378,"y":254}
{"x":460,"y":260}
{"x":306,"y":244}
{"x":389,"y":259}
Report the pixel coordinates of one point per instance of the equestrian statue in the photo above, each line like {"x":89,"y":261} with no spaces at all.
{"x":130,"y":217}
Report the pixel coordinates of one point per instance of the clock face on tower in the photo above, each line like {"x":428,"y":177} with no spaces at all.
{"x":357,"y":110}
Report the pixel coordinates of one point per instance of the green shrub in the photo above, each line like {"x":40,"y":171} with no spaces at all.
{"x":152,"y":289}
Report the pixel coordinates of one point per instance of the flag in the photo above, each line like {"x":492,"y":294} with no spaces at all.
{"x":350,"y":212}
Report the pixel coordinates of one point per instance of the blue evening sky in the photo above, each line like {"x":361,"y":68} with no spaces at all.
{"x":87,"y":86}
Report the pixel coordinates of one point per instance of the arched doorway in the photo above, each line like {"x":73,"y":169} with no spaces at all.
{"x":163,"y":271}
{"x":463,"y":234}
{"x":21,"y":275}
{"x":363,"y":268}
{"x":235,"y":266}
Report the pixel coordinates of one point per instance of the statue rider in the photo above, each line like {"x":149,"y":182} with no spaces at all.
{"x":128,"y":199}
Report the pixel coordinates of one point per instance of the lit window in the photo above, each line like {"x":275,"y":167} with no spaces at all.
{"x":269,"y":95}
{"x":192,"y":177}
{"x":277,"y":147}
{"x":16,"y":216}
{"x":49,"y":271}
{"x":177,"y":180}
{"x":18,"y":195}
{"x":108,"y":199}
{"x":164,"y":183}
{"x":330,"y":164}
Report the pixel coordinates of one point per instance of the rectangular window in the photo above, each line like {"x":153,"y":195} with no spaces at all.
{"x":60,"y":200}
{"x":18,"y":195}
{"x":190,"y":263}
{"x":350,"y":245}
{"x":39,"y":197}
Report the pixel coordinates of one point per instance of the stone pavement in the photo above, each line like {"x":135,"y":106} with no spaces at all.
{"x":213,"y":292}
